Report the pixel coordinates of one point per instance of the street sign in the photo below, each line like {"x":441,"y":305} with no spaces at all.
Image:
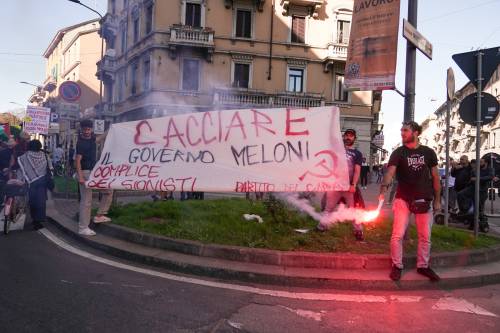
{"x":54,"y":128}
{"x":70,"y":91}
{"x":468,"y":64}
{"x":489,"y":109}
{"x":99,"y":126}
{"x":54,"y":117}
{"x":417,"y":39}
{"x":450,"y":83}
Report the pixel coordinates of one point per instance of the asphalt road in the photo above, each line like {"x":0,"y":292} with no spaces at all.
{"x":45,"y":288}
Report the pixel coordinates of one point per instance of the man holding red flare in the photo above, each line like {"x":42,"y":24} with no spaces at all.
{"x":415,"y":167}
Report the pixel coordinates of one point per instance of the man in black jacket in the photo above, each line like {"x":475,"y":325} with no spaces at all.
{"x":466,"y":196}
{"x":462,"y":173}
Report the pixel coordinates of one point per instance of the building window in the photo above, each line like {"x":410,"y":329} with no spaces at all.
{"x":190,"y":74}
{"x":343,"y":31}
{"x":149,"y":18}
{"x":147,"y":75}
{"x":298,"y":29}
{"x":136,"y":29}
{"x":134,"y":71}
{"x":241,"y":75}
{"x":243,"y":23}
{"x":193,"y":14}
{"x":125,"y":4}
{"x":341,"y":94}
{"x":121,"y":86}
{"x":295,"y":80}
{"x":113,"y":6}
{"x":123,"y":38}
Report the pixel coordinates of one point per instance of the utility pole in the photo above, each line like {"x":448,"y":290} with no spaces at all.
{"x":411,"y":62}
{"x":478,"y":139}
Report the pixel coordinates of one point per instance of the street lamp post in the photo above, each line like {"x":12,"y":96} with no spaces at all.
{"x":102,"y":51}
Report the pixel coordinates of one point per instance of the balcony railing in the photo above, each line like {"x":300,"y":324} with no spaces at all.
{"x":186,"y":35}
{"x":245,"y":98}
{"x":106,"y":67}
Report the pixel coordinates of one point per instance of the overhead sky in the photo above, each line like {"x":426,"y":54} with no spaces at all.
{"x":452,"y":26}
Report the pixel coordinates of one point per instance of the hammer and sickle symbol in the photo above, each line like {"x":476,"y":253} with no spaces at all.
{"x":327,"y":169}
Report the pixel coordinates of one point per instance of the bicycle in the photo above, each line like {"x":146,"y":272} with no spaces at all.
{"x":14,"y":203}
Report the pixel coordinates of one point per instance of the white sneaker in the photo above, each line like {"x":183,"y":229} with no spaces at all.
{"x":101,"y":219}
{"x":86,"y":232}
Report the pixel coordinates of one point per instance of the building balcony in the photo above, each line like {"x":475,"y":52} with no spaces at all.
{"x":335,"y":52}
{"x":252,"y":98}
{"x":50,"y":84}
{"x":110,"y":26}
{"x":187,"y":36}
{"x":312,"y":6}
{"x":106,"y":68}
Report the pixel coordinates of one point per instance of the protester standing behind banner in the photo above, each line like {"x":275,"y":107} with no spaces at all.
{"x":86,"y":156}
{"x":415,"y":167}
{"x":372,"y":51}
{"x":354,"y":161}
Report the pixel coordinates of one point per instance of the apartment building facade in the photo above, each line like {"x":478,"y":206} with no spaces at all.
{"x":72,"y":55}
{"x":462,"y":135}
{"x":176,"y":56}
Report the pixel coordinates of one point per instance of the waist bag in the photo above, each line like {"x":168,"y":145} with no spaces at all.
{"x":419,"y":206}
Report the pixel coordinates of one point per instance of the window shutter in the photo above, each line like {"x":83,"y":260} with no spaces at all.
{"x":241,"y":75}
{"x":197,"y":16}
{"x":298,"y":29}
{"x":244,"y":23}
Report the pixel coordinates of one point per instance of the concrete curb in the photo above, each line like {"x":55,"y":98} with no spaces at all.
{"x":350,"y":279}
{"x":294,"y":258}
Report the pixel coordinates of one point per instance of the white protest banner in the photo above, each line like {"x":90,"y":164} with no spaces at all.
{"x":39,"y":120}
{"x":265,"y":150}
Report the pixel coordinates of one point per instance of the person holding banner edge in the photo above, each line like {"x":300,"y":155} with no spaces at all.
{"x":354,"y":161}
{"x":86,"y":157}
{"x":415,"y":167}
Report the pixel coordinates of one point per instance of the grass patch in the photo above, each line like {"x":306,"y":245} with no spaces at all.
{"x":221,"y":222}
{"x":60,"y":183}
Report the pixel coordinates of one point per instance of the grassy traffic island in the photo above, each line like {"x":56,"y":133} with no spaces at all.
{"x":221,"y":222}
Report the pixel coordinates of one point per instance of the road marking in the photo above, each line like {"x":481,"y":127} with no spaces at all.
{"x":460,"y":305}
{"x":405,"y":299}
{"x":234,"y":287}
{"x":317,"y":316}
{"x":100,"y":283}
{"x":131,"y":285}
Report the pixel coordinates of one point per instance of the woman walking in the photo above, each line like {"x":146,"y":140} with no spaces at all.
{"x":35,"y":165}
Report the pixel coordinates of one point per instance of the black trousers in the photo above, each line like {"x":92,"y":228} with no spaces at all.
{"x":364,"y":179}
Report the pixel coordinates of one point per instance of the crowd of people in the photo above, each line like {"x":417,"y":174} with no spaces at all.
{"x":412,"y":173}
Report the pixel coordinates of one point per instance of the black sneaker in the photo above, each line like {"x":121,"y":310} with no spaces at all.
{"x":427,"y":271}
{"x":359,"y":235}
{"x":395,"y":273}
{"x":37,"y":226}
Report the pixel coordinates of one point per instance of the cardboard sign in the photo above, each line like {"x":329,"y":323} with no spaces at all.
{"x":39,"y":120}
{"x":265,"y":150}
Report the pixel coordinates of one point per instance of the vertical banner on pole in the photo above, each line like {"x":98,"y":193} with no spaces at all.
{"x":372,"y":52}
